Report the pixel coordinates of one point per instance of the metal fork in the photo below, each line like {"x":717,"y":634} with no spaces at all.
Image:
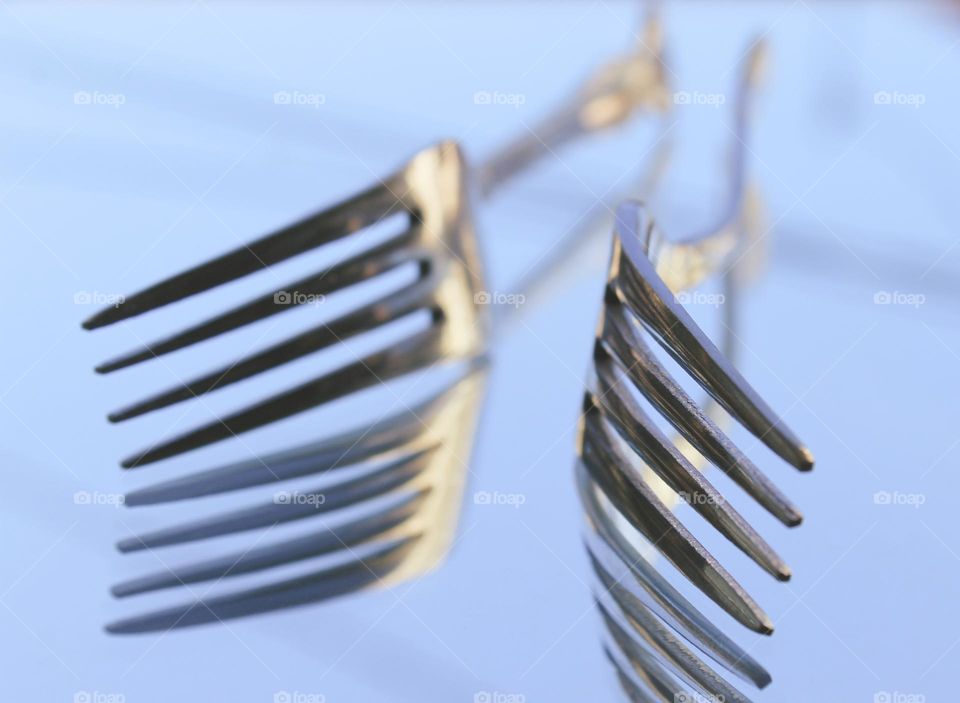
{"x":630,"y":473}
{"x":406,"y":471}
{"x":432,"y":193}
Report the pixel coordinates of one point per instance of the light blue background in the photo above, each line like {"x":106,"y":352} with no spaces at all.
{"x":861,"y":199}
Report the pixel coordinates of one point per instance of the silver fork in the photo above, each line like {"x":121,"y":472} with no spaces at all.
{"x":409,"y":467}
{"x":630,"y":473}
{"x":432,"y":191}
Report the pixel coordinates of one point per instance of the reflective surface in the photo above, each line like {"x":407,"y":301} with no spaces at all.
{"x":100,"y":195}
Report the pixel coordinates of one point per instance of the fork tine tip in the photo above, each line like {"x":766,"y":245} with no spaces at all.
{"x":101,"y":319}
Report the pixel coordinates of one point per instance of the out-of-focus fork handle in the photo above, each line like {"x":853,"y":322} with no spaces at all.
{"x":619,"y":90}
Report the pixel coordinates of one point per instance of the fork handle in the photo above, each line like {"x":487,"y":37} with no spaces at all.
{"x":526,"y":149}
{"x":630,"y":85}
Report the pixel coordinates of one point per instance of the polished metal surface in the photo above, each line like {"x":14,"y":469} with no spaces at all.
{"x":438,"y":240}
{"x":404,"y":459}
{"x":431,"y":194}
{"x":641,"y":474}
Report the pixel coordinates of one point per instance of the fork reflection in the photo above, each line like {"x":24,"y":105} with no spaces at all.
{"x":405,"y":475}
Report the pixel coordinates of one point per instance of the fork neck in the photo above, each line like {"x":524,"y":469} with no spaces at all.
{"x":631,"y":85}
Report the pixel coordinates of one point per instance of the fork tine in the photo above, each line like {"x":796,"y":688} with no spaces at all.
{"x":693,"y":670}
{"x":325,"y":541}
{"x":634,"y":692}
{"x":387,"y":309}
{"x":645,"y":664}
{"x":635,"y":358}
{"x":389,"y":477}
{"x":314,"y":587}
{"x":327,"y":226}
{"x":665,"y":600}
{"x":645,"y":438}
{"x":416,"y":351}
{"x":397,"y":434}
{"x":348,"y":272}
{"x":647,"y":513}
{"x":648,"y":298}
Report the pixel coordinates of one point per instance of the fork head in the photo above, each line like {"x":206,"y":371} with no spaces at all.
{"x":400,"y":480}
{"x":398,"y":472}
{"x":629,"y":473}
{"x":430,"y":195}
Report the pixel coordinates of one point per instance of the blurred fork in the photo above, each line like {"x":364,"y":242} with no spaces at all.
{"x":407,"y":471}
{"x":413,"y":467}
{"x":403,"y":474}
{"x":629,"y":473}
{"x":431,"y":195}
